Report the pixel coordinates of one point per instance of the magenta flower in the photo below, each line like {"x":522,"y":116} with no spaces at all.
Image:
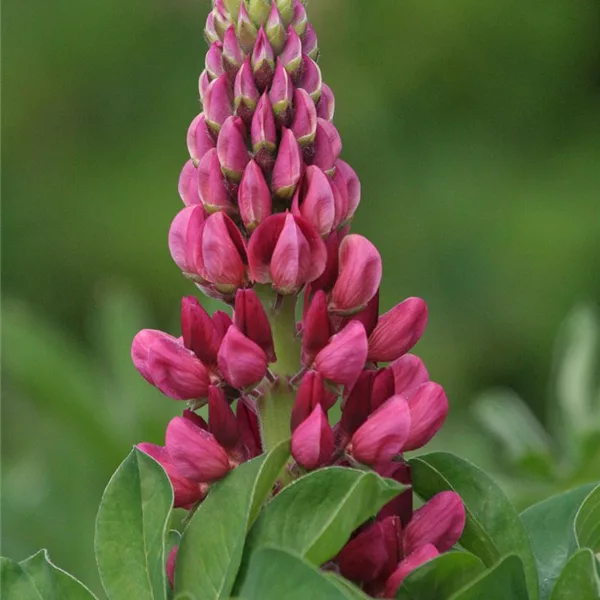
{"x":313,"y":441}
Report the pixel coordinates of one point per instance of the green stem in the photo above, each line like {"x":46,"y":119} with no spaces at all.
{"x":275,"y":409}
{"x":287,"y":344}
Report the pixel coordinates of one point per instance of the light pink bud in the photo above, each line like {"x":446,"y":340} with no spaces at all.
{"x":222,"y":421}
{"x":357,"y":406}
{"x":328,"y":146}
{"x":188,"y":184}
{"x":439,"y":522}
{"x":171,"y":559}
{"x":383,"y":434}
{"x":199,"y":142}
{"x":264,"y":134}
{"x":304,"y":124}
{"x":251,"y":319}
{"x":281,"y":95}
{"x":233,"y":55}
{"x":428,"y":410}
{"x":242,"y":362}
{"x":311,"y":79}
{"x":245,"y":92}
{"x":184,"y":234}
{"x":254,"y":197}
{"x":342,"y":360}
{"x":218,"y":103}
{"x":288,"y":166}
{"x":249,"y":428}
{"x":407,"y":566}
{"x":221,"y":18}
{"x":221,"y":253}
{"x":263,"y":61}
{"x":203,"y":83}
{"x":231,"y":149}
{"x":313,"y":441}
{"x":246,"y":30}
{"x":291,"y":57}
{"x":198,"y":331}
{"x":398,"y":330}
{"x":315,"y":200}
{"x":311,"y":392}
{"x":326,"y":105}
{"x":345,"y":176}
{"x":211,"y":184}
{"x":275,"y":30}
{"x":310,"y":45}
{"x":299,"y":19}
{"x":195,"y":453}
{"x":287,"y":252}
{"x":316,"y":329}
{"x":209,"y":31}
{"x":214,"y":60}
{"x":186,"y":491}
{"x":409,"y":373}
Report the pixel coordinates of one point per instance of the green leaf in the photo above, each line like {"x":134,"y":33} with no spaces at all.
{"x":275,"y":574}
{"x":351,"y":591}
{"x":549,"y":525}
{"x":493,"y":528}
{"x":51,"y":582}
{"x":315,"y":515}
{"x":587,"y":522}
{"x":130,"y":530}
{"x":14,"y":582}
{"x":504,"y":581}
{"x":441,"y":577}
{"x":579,"y":579}
{"x":212,"y":545}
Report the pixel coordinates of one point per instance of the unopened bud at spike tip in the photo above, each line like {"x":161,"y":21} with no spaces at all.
{"x":263,"y":61}
{"x":231,"y":149}
{"x":232,"y":56}
{"x":291,"y":57}
{"x":218,"y":103}
{"x":221,"y":18}
{"x":288,"y":166}
{"x":275,"y":30}
{"x":327,"y":147}
{"x":233,"y":7}
{"x":299,"y":18}
{"x":263,"y":134}
{"x":245,"y":92}
{"x":304,"y":124}
{"x":210,"y":33}
{"x":310,"y":45}
{"x":311,"y":79}
{"x":326,"y":105}
{"x":246,"y":30}
{"x":286,"y":10}
{"x":281,"y":95}
{"x":254,"y":197}
{"x":214,"y":60}
{"x":259,"y":11}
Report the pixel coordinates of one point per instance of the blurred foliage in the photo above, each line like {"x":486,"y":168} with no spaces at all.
{"x":475,"y":130}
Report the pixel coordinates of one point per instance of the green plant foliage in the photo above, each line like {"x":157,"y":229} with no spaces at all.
{"x":587,"y":522}
{"x":441,"y":577}
{"x":212,"y":544}
{"x":130,"y":530}
{"x":579,"y":579}
{"x":493,"y":528}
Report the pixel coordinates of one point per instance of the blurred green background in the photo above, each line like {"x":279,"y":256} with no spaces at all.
{"x":475,"y":129}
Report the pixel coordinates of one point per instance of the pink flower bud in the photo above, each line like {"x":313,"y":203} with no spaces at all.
{"x":304,"y":124}
{"x":281,"y":95}
{"x":199,"y":141}
{"x":245,"y":92}
{"x":214,"y":60}
{"x":311,"y":392}
{"x":171,"y":565}
{"x":428,"y":410}
{"x":209,"y":31}
{"x":251,"y":319}
{"x":194,"y":452}
{"x":198,"y":331}
{"x":359,"y":275}
{"x":184,"y":235}
{"x":299,"y":18}
{"x":249,"y":428}
{"x":312,"y":441}
{"x":221,"y":18}
{"x":315,"y":200}
{"x":439,"y":522}
{"x":342,"y":360}
{"x":326,"y":105}
{"x":246,"y":29}
{"x":316,"y":329}
{"x":291,"y":57}
{"x":402,"y":505}
{"x":221,"y":253}
{"x":288,"y":166}
{"x":186,"y":491}
{"x":242,"y":362}
{"x":223,"y":424}
{"x":233,"y":55}
{"x":329,"y":276}
{"x":368,"y":316}
{"x":383,"y":388}
{"x":357,"y":406}
{"x":275,"y":30}
{"x":263,"y":61}
{"x":167,"y":364}
{"x":232,"y":150}
{"x":311,"y":79}
{"x":211,"y":184}
{"x":254,"y":197}
{"x":222,"y":322}
{"x":346,"y":177}
{"x":407,"y":566}
{"x":310,"y":45}
{"x":188,"y":184}
{"x":263,"y":134}
{"x":195,"y":418}
{"x":409,"y":373}
{"x":328,"y":146}
{"x":218,"y":103}
{"x":383,"y":434}
{"x":286,"y":251}
{"x":203,"y":83}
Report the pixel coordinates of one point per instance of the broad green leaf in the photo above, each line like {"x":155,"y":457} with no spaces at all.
{"x":351,"y":591}
{"x":441,"y":577}
{"x":587,"y":522}
{"x":15,"y":583}
{"x":504,"y":581}
{"x":130,"y":530}
{"x":314,"y":516}
{"x":212,"y":545}
{"x":51,"y":582}
{"x":579,"y":579}
{"x":549,"y":525}
{"x":275,"y":574}
{"x":493,"y":528}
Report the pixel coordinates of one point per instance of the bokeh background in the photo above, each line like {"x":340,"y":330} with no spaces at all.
{"x":474,"y":126}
